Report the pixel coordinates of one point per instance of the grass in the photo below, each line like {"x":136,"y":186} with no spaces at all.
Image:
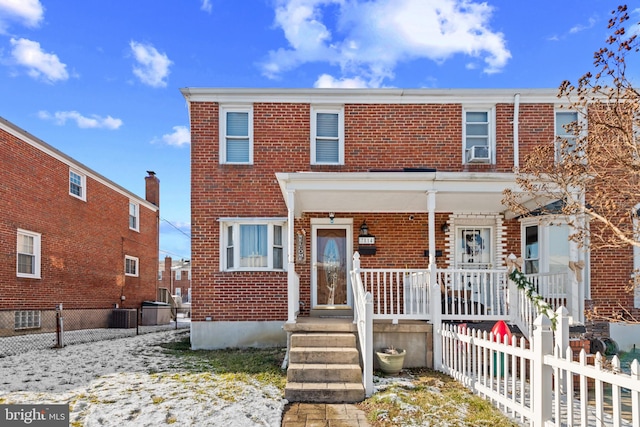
{"x":419,"y":397}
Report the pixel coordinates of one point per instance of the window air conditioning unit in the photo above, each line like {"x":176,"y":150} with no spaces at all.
{"x":478,"y":154}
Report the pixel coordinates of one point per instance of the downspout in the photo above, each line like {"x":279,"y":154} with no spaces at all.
{"x":516,"y":130}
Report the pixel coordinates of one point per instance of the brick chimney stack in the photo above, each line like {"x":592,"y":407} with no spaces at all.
{"x":152,"y":188}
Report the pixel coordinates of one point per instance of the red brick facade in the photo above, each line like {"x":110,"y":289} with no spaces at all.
{"x":83,"y":242}
{"x":378,"y":135}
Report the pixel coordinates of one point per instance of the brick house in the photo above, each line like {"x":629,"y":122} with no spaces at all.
{"x":288,"y":183}
{"x":69,"y":235}
{"x":175,"y":277}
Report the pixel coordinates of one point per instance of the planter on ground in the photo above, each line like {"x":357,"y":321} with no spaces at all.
{"x":391,"y":360}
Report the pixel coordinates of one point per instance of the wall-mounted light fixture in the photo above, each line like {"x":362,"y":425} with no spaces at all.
{"x":364,"y":229}
{"x":445,"y":228}
{"x":366,"y":242}
{"x":332,"y":215}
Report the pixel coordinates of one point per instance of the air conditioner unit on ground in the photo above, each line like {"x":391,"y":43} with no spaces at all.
{"x":478,"y":154}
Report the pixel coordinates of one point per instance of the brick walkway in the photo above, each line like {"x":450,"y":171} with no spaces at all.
{"x":323,"y":415}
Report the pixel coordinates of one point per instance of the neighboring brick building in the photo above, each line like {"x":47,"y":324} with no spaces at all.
{"x":175,"y":277}
{"x":285,"y":181}
{"x":69,"y":235}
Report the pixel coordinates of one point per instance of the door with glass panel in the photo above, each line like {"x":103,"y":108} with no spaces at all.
{"x":330,"y":272}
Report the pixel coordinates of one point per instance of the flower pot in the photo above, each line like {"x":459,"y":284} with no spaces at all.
{"x":391,"y":363}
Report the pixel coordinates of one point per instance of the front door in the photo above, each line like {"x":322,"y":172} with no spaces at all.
{"x":331,"y":253}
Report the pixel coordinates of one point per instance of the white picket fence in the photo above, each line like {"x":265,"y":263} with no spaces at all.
{"x":539,"y":384}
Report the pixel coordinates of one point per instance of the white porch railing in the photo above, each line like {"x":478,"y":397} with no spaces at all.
{"x":363,"y":318}
{"x":541,"y":385}
{"x":552,"y":287}
{"x":464,"y":294}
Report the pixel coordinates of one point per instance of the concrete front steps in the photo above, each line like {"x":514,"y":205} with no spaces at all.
{"x":324,"y":367}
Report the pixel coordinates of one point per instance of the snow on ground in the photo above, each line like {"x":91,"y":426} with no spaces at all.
{"x":131,"y":382}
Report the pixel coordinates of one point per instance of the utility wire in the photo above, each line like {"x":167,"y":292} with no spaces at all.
{"x":176,"y":227}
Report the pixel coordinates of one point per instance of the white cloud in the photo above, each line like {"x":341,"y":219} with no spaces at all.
{"x":372,"y":37}
{"x":27,"y":12}
{"x":152,"y":67}
{"x":92,"y":122}
{"x":40,"y":65}
{"x":581,"y":27}
{"x":327,"y":81}
{"x":206,"y":6}
{"x":180,"y":136}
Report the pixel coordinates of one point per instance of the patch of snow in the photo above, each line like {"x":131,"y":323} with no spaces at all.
{"x":130,"y":381}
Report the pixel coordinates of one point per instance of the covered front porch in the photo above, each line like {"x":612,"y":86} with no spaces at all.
{"x":469,"y":238}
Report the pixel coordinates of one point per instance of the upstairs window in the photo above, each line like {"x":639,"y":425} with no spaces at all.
{"x":478,"y":136}
{"x":236,"y":135}
{"x":327,"y":136}
{"x":28,"y":254}
{"x":566,"y":133}
{"x":253,"y":244}
{"x":130,"y":266}
{"x":77,"y":184}
{"x":134,"y":216}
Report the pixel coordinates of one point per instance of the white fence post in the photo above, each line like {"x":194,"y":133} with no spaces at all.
{"x":542,"y":402}
{"x":562,"y":341}
{"x":368,"y":352}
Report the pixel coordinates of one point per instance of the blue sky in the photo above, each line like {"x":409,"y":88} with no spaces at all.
{"x":99,"y":80}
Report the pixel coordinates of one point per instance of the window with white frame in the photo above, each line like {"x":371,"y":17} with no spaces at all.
{"x":252,"y":244}
{"x":566,"y":123}
{"x":236,"y":134}
{"x":131,"y":266}
{"x":77,"y":184}
{"x":178,"y":274}
{"x":134,"y":216}
{"x":160,"y":274}
{"x":28,"y":254}
{"x":327,"y":136}
{"x":478,"y":135}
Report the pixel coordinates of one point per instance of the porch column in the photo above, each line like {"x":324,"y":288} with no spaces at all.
{"x":293,"y":291}
{"x":575,"y":293}
{"x":434,"y":291}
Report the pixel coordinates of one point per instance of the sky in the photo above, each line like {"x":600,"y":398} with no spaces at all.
{"x":100,"y":80}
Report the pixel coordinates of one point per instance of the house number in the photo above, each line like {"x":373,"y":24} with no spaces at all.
{"x":366,"y":240}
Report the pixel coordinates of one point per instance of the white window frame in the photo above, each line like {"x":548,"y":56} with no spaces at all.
{"x":235,"y":108}
{"x":37,"y":258}
{"x":582,"y":122}
{"x":178,"y":275}
{"x":491,"y":143}
{"x":339,"y":110}
{"x":137,"y":265}
{"x":235,"y":223}
{"x":82,"y":185}
{"x":136,"y":216}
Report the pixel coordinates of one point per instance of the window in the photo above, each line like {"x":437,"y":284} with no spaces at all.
{"x":474,"y":247}
{"x":28,"y":254}
{"x":27,"y":319}
{"x":565,"y":132}
{"x":478,"y":136}
{"x":134,"y":215}
{"x":236,"y":135}
{"x":130,"y":266}
{"x":327,"y":136}
{"x":253,"y":244}
{"x":77,"y":184}
{"x":160,"y":274}
{"x":178,"y":275}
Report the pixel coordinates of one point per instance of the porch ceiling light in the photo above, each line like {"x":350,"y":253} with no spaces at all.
{"x":331,"y":216}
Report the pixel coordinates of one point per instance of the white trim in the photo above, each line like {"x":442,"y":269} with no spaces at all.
{"x":222,"y":112}
{"x":137,"y":261}
{"x":82,"y":185}
{"x":136,"y":215}
{"x":37,"y":253}
{"x":315,"y":110}
{"x":341,"y":224}
{"x":491,"y":143}
{"x":372,"y":96}
{"x":72,"y":163}
{"x":235,"y":223}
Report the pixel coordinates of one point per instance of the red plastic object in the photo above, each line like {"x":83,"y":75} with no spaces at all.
{"x":500,"y":330}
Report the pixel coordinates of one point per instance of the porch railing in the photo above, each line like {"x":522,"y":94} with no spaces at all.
{"x":464,"y":294}
{"x":363,"y":318}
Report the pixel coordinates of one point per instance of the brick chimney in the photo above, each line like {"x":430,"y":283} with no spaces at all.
{"x":152,"y":188}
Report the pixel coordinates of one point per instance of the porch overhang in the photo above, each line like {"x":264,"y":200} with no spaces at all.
{"x":386,"y":192}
